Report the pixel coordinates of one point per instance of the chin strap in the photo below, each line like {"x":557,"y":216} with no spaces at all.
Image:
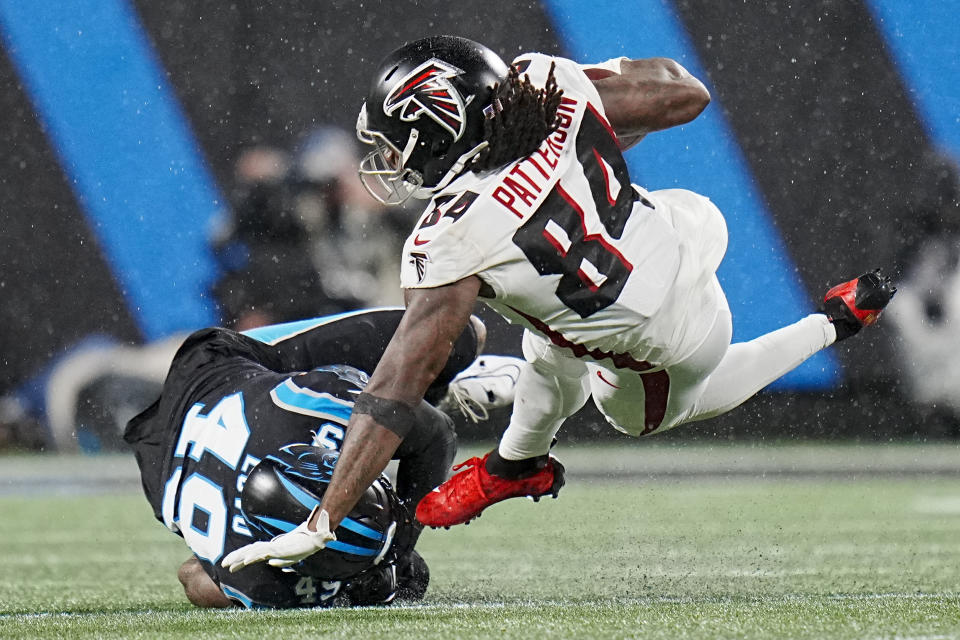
{"x":411,"y":145}
{"x":455,"y":170}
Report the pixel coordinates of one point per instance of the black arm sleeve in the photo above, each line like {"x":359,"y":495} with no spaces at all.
{"x":359,"y":340}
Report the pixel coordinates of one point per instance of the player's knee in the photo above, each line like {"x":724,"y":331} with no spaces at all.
{"x":560,"y":395}
{"x":446,"y":432}
{"x":443,"y":435}
{"x":433,"y":424}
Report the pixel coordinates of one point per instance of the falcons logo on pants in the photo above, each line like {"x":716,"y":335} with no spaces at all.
{"x":427,"y":90}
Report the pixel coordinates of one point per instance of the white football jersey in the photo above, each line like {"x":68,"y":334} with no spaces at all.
{"x":570,"y":249}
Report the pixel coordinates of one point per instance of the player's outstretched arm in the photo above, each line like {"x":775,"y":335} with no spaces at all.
{"x":416,"y":354}
{"x":381,"y":417}
{"x":647,"y":95}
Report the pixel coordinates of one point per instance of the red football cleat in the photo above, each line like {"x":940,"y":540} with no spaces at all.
{"x":857,"y":303}
{"x":465,"y":495}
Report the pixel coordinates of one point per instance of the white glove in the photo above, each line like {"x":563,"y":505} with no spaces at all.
{"x":286,"y":549}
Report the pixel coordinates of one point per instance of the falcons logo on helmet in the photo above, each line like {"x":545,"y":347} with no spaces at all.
{"x":427,"y":90}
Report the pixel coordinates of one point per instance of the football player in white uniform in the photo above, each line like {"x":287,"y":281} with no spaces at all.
{"x":532,"y":210}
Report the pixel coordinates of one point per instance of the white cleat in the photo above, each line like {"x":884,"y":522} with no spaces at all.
{"x":489,"y":383}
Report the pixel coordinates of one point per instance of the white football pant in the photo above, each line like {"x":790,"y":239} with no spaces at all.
{"x":714,"y":379}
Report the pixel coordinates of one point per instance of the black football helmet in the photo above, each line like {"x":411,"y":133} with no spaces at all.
{"x":282,"y":490}
{"x":424,"y":115}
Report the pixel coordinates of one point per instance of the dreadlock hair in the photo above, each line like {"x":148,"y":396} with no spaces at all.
{"x":520,"y":117}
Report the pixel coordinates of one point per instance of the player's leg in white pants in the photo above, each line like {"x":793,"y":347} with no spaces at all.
{"x":750,"y":366}
{"x":552,"y":386}
{"x":714,"y":379}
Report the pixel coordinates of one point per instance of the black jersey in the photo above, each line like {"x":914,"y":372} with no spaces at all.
{"x":222,"y":411}
{"x":231,"y":399}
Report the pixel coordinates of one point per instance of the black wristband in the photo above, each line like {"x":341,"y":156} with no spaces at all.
{"x":392,"y":414}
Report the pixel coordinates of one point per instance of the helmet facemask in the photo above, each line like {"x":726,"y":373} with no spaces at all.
{"x":383,"y":171}
{"x":424,"y":116}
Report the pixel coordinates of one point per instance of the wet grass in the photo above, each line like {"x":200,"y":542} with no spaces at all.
{"x":869,"y":556}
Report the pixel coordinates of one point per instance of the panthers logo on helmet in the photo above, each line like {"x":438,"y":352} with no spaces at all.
{"x":427,"y":90}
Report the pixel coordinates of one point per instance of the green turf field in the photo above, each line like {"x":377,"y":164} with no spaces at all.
{"x":695,"y":542}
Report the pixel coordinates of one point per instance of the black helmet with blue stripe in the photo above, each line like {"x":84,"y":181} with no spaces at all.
{"x":282,"y":490}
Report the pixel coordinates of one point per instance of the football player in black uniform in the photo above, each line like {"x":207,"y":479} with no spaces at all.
{"x":249,"y":425}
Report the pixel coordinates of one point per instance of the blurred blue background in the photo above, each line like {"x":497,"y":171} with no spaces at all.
{"x":830,"y":146}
